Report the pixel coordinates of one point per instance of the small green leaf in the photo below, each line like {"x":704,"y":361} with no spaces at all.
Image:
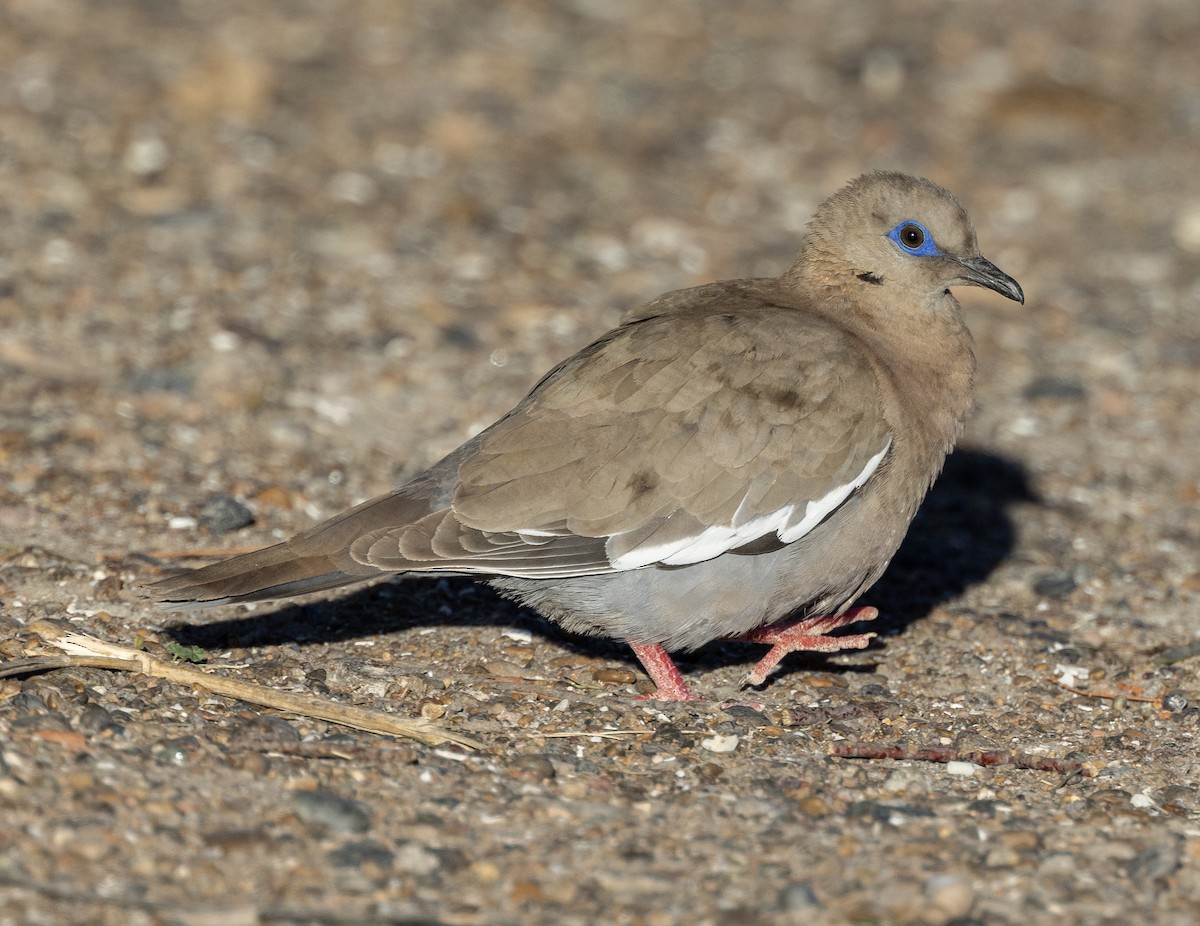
{"x":186,"y":653}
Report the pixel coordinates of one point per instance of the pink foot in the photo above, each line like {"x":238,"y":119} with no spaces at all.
{"x":661,"y":669}
{"x":806,"y":634}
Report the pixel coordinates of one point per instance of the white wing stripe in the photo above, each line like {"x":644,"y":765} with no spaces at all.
{"x":788,"y":524}
{"x":818,"y":509}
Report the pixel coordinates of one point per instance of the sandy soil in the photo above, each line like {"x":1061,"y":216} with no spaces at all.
{"x":261,"y":261}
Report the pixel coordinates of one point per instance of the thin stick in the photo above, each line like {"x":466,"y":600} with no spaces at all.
{"x":1107,"y":695}
{"x":984,"y":757}
{"x":83,"y":650}
{"x":606,"y":734}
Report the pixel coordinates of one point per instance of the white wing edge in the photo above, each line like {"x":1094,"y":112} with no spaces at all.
{"x":789,"y":524}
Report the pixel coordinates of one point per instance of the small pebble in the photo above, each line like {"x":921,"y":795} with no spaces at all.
{"x":262,"y":729}
{"x":237,"y":839}
{"x":610,"y":675}
{"x":273,"y":496}
{"x":1070,"y":675}
{"x":506,"y":668}
{"x":720,"y":742}
{"x":798,"y":897}
{"x":331,"y":811}
{"x":1055,"y":388}
{"x":253,"y":763}
{"x":361,"y":852}
{"x":96,"y":718}
{"x":485,"y":872}
{"x":1156,"y":861}
{"x":415,"y":859}
{"x":905,"y":780}
{"x":108,"y":589}
{"x":1186,"y":228}
{"x":1174,"y":701}
{"x":963,"y":769}
{"x":748,"y":715}
{"x":223,"y":513}
{"x":531,"y":768}
{"x":710,"y":771}
{"x":176,"y":751}
{"x":1054,"y":584}
{"x":950,"y":895}
{"x":520,"y":653}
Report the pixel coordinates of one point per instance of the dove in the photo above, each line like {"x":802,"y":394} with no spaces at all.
{"x":738,"y":460}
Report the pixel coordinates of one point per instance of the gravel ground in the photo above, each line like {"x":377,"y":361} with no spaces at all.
{"x":261,"y":261}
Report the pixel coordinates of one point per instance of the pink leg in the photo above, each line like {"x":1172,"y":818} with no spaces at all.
{"x":806,"y":634}
{"x":661,"y":669}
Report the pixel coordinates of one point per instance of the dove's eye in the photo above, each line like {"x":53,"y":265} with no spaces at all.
{"x":914,"y":238}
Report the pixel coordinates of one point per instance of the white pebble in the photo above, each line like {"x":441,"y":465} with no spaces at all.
{"x":951,"y":895}
{"x":224,"y":341}
{"x":349,"y":186}
{"x":963,"y":769}
{"x":1070,"y":675}
{"x":1186,"y":229}
{"x":719,"y":742}
{"x":146,"y":154}
{"x":905,"y":780}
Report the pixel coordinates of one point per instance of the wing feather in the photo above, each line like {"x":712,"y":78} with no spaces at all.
{"x":760,"y":427}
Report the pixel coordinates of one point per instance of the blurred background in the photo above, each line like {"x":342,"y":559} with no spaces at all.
{"x":283,"y":256}
{"x":255,"y":244}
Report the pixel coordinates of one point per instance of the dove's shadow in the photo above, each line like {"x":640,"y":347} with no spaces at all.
{"x":962,"y":532}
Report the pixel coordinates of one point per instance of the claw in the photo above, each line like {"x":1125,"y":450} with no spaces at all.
{"x":807,"y":634}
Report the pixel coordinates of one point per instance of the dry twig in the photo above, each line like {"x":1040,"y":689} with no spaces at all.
{"x":944,"y":754}
{"x":82,"y":650}
{"x":1111,"y":695}
{"x":602,"y":734}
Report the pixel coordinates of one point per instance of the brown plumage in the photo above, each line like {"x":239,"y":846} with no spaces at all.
{"x":730,"y":457}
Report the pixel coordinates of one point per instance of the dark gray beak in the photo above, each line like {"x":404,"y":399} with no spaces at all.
{"x":982,"y":272}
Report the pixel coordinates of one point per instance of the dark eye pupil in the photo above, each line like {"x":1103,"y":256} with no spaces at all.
{"x":912,"y":236}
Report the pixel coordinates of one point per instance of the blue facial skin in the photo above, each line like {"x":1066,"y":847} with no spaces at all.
{"x":914,"y":238}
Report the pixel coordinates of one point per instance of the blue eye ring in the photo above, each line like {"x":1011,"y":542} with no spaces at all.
{"x":914,"y":238}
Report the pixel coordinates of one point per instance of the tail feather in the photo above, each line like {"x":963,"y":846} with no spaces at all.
{"x":253,"y":577}
{"x":316,"y":560}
